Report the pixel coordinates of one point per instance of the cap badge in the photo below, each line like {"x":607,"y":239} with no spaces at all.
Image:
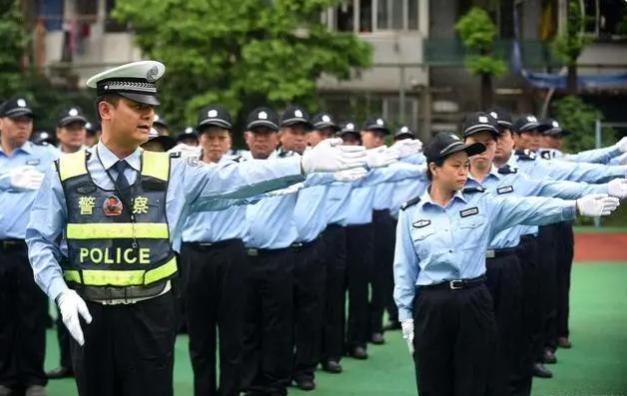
{"x":262,"y":115}
{"x":21,"y":103}
{"x":151,"y":74}
{"x":404,"y":129}
{"x":326,"y":118}
{"x":493,"y":114}
{"x":212,"y":113}
{"x":483,"y":119}
{"x":298,"y":113}
{"x":555,"y":124}
{"x":454,"y":137}
{"x":350,"y":126}
{"x":379,"y":121}
{"x":532,"y":119}
{"x":189,"y":130}
{"x":73,"y":112}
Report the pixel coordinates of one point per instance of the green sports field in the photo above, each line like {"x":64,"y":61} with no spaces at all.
{"x":597,"y":364}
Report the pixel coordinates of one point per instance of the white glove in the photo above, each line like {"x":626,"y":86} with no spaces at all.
{"x":408,"y":334}
{"x":330,"y":156}
{"x":617,"y":188}
{"x":186,"y":150}
{"x":622,"y":144}
{"x":595,"y":205}
{"x":71,"y":305}
{"x":294,"y":188}
{"x":350,"y":175}
{"x":622,"y":159}
{"x":406,"y":147}
{"x":380,"y":157}
{"x":26,"y":177}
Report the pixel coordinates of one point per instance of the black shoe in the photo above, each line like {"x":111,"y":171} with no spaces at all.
{"x":540,"y":371}
{"x":377,"y":339}
{"x":359,"y":353}
{"x":564,"y":342}
{"x":549,"y":357}
{"x":305,"y":384}
{"x":332,"y":366}
{"x":60,"y":372}
{"x":392,"y":325}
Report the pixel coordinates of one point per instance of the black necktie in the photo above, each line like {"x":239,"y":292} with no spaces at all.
{"x":121,"y":183}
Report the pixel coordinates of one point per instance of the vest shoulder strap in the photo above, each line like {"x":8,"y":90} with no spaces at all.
{"x":72,"y":165}
{"x":156,"y":165}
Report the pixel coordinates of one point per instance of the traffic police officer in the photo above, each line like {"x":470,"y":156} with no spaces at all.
{"x":439,"y":268}
{"x":23,"y":307}
{"x":112,"y":204}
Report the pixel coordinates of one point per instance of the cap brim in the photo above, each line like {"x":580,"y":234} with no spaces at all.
{"x":262,"y":123}
{"x":297,"y":121}
{"x":343,"y":133}
{"x":68,"y":120}
{"x":530,"y":126}
{"x":473,"y":130}
{"x":214,"y":122}
{"x":376,"y":128}
{"x":404,"y":135}
{"x":504,"y":124}
{"x":140,"y":98}
{"x":19,"y":113}
{"x":166,"y":141}
{"x":544,"y":127}
{"x":323,"y":125}
{"x":470,"y":149}
{"x":160,"y":123}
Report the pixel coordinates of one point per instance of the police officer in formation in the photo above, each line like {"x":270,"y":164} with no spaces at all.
{"x":121,"y":211}
{"x":273,"y":239}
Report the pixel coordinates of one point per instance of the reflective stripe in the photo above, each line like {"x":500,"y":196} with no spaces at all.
{"x":156,"y":165}
{"x":117,"y":230}
{"x":122,"y":277}
{"x":72,"y":165}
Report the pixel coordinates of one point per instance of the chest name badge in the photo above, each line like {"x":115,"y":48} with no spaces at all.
{"x":421,"y":223}
{"x":33,"y":162}
{"x":505,"y":190}
{"x":112,"y":206}
{"x":469,"y":212}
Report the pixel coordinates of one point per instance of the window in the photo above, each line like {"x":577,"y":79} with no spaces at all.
{"x":606,"y":19}
{"x":111,"y":24}
{"x":376,"y":15}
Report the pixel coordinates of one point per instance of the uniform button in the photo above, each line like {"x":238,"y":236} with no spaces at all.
{"x":450,"y":251}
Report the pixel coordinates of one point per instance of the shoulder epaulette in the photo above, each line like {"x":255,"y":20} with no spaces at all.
{"x":472,"y":190}
{"x":525,"y":155}
{"x":507,"y":170}
{"x":411,"y":202}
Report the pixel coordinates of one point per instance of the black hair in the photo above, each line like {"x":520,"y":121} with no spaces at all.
{"x":439,"y":162}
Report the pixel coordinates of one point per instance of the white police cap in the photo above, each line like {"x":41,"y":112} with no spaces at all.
{"x":134,"y":81}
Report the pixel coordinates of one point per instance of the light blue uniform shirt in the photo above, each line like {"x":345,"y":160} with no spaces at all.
{"x":522,"y":185}
{"x":16,"y":204}
{"x":216,"y":226}
{"x":596,"y":156}
{"x":338,"y":195}
{"x":309,"y":212}
{"x":436,"y":244}
{"x":192,"y":186}
{"x":387,"y":194}
{"x":539,"y":168}
{"x":404,"y":190}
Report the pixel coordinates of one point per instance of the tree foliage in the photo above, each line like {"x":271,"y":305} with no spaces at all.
{"x":568,"y":46}
{"x":13,"y":45}
{"x":240,"y":53}
{"x":477,"y":32}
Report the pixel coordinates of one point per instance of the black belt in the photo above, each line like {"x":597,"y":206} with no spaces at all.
{"x":298,"y":246}
{"x":212,"y":245}
{"x":494,"y":253}
{"x":12,"y":244}
{"x":528,"y":237}
{"x":254,"y":252}
{"x":456,"y":284}
{"x":334,"y":226}
{"x":106,"y":293}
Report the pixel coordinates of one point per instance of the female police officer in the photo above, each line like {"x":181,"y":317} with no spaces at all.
{"x":439,"y":267}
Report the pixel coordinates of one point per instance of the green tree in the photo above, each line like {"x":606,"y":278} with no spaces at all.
{"x":240,"y":53}
{"x":477,"y":32}
{"x":579,"y":118}
{"x":13,"y":45}
{"x":568,"y":46}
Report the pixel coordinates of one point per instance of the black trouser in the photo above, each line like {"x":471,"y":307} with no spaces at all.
{"x":566,"y":242}
{"x":454,"y":341}
{"x":63,"y":338}
{"x":335,"y":293}
{"x":268,"y":327}
{"x":129,"y":349}
{"x":23,"y":315}
{"x":215,"y":303}
{"x":532,"y":309}
{"x":548,"y":284}
{"x":382,"y":276}
{"x":309,"y":279}
{"x":359,"y":242}
{"x":505,"y":282}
